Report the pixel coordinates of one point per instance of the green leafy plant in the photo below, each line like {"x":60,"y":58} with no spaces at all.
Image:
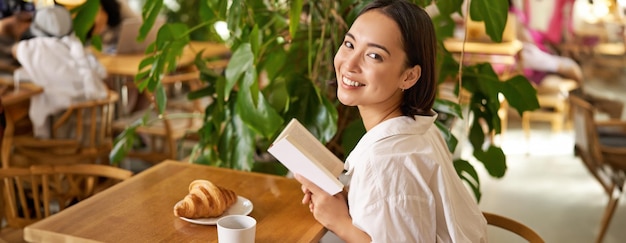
{"x":281,"y":67}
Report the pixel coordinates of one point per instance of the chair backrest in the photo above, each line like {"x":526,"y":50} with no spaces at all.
{"x":180,"y":119}
{"x":178,"y":85}
{"x":513,"y":226}
{"x":31,"y":194}
{"x":604,"y":161}
{"x":80,"y":134}
{"x":88,"y":121}
{"x":586,"y":141}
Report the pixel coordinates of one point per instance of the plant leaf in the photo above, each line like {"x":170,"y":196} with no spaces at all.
{"x":240,"y":62}
{"x":149,"y":14}
{"x":449,"y":107}
{"x":451,"y":140}
{"x":234,"y":16}
{"x":493,"y":14}
{"x":465,"y":169}
{"x":123,"y":144}
{"x":295,"y":10}
{"x":445,"y":26}
{"x":311,"y":108}
{"x":520,"y":94}
{"x":161,"y":97}
{"x":448,"y":7}
{"x":476,"y":135}
{"x":206,"y":12}
{"x":237,"y":145}
{"x":485,"y":86}
{"x":448,"y":67}
{"x":351,"y":135}
{"x":260,"y":116}
{"x":493,"y":159}
{"x":85,"y":18}
{"x":255,"y":40}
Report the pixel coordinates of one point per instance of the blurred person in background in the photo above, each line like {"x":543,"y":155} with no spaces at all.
{"x":56,"y":60}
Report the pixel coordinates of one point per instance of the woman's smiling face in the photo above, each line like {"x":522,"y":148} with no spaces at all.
{"x":371,"y":63}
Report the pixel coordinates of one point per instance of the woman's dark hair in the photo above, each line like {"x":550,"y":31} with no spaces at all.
{"x":419,"y":43}
{"x":114,"y":14}
{"x":113,"y":10}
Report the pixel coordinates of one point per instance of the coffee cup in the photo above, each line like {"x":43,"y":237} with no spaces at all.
{"x":236,"y":229}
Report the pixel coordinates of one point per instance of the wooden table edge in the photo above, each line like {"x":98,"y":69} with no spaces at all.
{"x":30,"y":235}
{"x":489,"y":48}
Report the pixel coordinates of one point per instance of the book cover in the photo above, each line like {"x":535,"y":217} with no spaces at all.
{"x":297,"y":149}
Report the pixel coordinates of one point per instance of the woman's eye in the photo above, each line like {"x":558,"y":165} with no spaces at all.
{"x":375,"y":56}
{"x":348,"y":44}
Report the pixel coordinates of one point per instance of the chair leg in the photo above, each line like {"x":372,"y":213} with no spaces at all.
{"x":568,"y":116}
{"x":608,"y":213}
{"x":503,"y":113}
{"x":557,"y":123}
{"x":526,"y":124}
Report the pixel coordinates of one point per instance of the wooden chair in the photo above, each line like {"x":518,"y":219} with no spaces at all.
{"x":80,"y":134}
{"x":164,"y":133}
{"x":553,"y":104}
{"x":601,"y":145}
{"x":34,"y":193}
{"x":513,"y":226}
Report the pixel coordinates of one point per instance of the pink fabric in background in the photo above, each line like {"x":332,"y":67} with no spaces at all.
{"x":554,"y":33}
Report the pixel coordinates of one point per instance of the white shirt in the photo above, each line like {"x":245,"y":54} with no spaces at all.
{"x":404,"y":187}
{"x":65,"y":70}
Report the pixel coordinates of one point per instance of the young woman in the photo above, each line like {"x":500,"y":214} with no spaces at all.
{"x":403,"y":186}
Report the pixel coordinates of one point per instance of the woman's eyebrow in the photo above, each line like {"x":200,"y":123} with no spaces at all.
{"x":371,"y":44}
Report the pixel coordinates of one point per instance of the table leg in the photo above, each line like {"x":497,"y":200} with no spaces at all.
{"x":7,"y":137}
{"x":119,"y":86}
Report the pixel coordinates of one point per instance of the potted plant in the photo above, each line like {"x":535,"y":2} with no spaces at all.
{"x":289,"y":45}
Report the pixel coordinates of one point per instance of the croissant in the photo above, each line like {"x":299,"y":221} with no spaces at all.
{"x":205,"y":200}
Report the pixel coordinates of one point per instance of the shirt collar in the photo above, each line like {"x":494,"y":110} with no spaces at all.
{"x":394,"y":126}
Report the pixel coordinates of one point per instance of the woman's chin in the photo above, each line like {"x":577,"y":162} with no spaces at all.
{"x":347,"y":101}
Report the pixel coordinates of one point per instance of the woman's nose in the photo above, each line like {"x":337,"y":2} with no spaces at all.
{"x":352,"y":63}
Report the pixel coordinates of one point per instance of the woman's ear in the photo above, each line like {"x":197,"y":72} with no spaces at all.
{"x":411,"y":76}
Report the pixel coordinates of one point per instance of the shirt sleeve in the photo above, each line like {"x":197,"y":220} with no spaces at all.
{"x":414,"y":199}
{"x":393,"y":202}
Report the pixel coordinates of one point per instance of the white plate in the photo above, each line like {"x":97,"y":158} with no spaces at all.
{"x":243,"y":206}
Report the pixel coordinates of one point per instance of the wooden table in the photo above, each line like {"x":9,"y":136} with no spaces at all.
{"x":127,"y":64}
{"x":121,"y":66}
{"x":141,"y":209}
{"x":16,"y":103}
{"x":501,"y":53}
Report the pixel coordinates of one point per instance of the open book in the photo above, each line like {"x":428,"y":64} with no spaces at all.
{"x":303,"y":154}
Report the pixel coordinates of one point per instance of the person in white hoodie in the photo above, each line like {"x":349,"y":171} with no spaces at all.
{"x":56,"y":60}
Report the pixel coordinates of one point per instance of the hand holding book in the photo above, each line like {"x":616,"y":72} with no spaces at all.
{"x":297,"y":149}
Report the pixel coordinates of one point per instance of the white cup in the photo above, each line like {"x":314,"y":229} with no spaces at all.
{"x":236,"y":229}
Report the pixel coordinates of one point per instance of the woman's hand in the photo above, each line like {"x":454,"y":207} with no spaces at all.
{"x":329,"y":210}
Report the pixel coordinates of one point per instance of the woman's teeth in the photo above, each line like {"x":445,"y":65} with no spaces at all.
{"x":349,"y":82}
